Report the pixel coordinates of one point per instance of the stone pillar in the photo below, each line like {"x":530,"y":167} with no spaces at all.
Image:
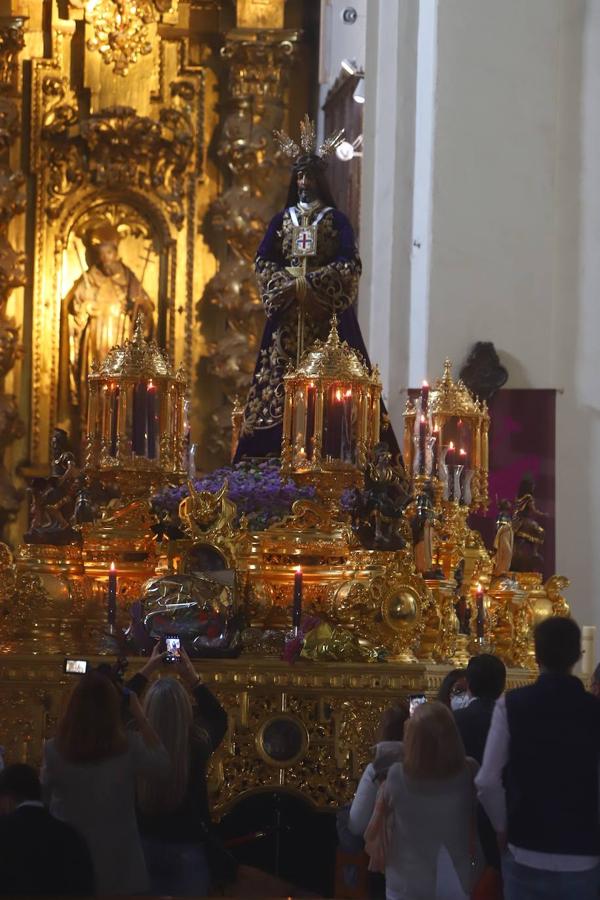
{"x":387,"y":193}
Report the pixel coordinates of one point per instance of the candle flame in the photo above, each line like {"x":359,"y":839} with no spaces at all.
{"x":338,"y":394}
{"x":451,"y":446}
{"x":299,"y":569}
{"x":462,"y":451}
{"x":425,"y":383}
{"x":151,"y":385}
{"x":479,"y":588}
{"x":423,"y":419}
{"x":113,"y":568}
{"x":348,"y":393}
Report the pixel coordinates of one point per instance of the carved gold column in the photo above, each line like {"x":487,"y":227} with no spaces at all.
{"x":12,"y":273}
{"x":258,"y":55}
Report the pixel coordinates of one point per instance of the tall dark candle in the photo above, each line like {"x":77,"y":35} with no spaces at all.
{"x":462,"y":458}
{"x":422,"y":443}
{"x":480,"y":613}
{"x":151,"y":419}
{"x":346,"y":445}
{"x":424,"y":398}
{"x":297,"y":607}
{"x":435,"y":453}
{"x":114,"y":418}
{"x":112,"y":595}
{"x":333,"y":437}
{"x":139,"y":419}
{"x":310,"y":419}
{"x":450,"y":463}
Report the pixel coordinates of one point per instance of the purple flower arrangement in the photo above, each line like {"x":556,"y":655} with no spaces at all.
{"x":257,"y":488}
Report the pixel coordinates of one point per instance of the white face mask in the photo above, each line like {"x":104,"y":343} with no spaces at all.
{"x":459,"y":701}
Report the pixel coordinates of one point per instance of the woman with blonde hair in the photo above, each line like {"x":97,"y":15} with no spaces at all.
{"x":174,"y":817}
{"x":430,"y":797}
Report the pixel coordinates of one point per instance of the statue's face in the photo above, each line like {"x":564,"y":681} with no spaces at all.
{"x":108,"y":258}
{"x":307,"y":186}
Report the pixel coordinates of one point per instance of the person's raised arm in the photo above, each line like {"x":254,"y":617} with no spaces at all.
{"x":210,"y":712}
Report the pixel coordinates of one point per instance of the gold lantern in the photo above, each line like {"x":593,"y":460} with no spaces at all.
{"x":446,"y":439}
{"x":331,"y":417}
{"x":135,"y":433}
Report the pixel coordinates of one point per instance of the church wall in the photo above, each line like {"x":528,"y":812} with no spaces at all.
{"x":578,"y":327}
{"x":511,"y":237}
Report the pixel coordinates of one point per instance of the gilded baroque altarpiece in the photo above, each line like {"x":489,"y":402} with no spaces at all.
{"x":152,"y":120}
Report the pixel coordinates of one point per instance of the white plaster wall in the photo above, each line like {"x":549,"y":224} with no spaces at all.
{"x":512,"y":233}
{"x":340,"y":41}
{"x":494,"y":194}
{"x":387,"y":193}
{"x":578,"y":322}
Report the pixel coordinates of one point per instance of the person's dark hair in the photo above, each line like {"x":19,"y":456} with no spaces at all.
{"x":448,"y":683}
{"x":21,"y":782}
{"x":318,"y":172}
{"x":391,"y":725}
{"x":486,"y":676}
{"x":91,"y":727}
{"x":557,"y":644}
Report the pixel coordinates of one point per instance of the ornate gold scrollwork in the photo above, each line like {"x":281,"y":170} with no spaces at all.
{"x":12,"y":262}
{"x":117,"y":148}
{"x":121,"y":29}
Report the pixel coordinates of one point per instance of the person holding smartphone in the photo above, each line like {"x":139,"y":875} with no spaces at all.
{"x":89,"y":776}
{"x":183,"y":856}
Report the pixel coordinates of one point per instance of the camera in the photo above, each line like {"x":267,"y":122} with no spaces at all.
{"x":75,"y":666}
{"x":173,"y":648}
{"x":414,"y":701}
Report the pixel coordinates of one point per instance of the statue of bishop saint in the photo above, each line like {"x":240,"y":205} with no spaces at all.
{"x":98,"y":312}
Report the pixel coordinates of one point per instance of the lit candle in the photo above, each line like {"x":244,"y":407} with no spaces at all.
{"x":346,"y":445}
{"x":480,"y":613}
{"x":310,"y":418}
{"x":435,"y":452}
{"x":422,"y":440}
{"x":112,"y":595}
{"x":424,"y":397}
{"x":462,"y":459}
{"x":334,"y":423}
{"x":151,"y":419}
{"x":139,"y":419}
{"x":114,"y":418}
{"x":450,"y":461}
{"x":297,"y":607}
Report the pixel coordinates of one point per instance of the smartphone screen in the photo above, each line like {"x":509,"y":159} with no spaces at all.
{"x":173,"y":648}
{"x":416,"y":700}
{"x":75,"y":666}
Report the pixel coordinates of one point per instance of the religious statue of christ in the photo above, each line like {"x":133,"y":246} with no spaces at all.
{"x":307,"y":268}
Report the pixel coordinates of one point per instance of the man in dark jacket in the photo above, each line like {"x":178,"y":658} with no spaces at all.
{"x":539,"y":778}
{"x":486,"y":679}
{"x":39,"y":855}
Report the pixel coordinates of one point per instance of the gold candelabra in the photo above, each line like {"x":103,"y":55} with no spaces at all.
{"x":135,"y":432}
{"x":331,"y":417}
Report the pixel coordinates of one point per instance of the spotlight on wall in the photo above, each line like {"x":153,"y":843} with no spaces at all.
{"x":349,"y":66}
{"x":347,"y":151}
{"x":359,"y":93}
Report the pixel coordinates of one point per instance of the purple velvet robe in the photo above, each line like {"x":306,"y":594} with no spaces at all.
{"x":332,"y":277}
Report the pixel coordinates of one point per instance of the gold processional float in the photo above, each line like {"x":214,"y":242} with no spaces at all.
{"x":371,"y":587}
